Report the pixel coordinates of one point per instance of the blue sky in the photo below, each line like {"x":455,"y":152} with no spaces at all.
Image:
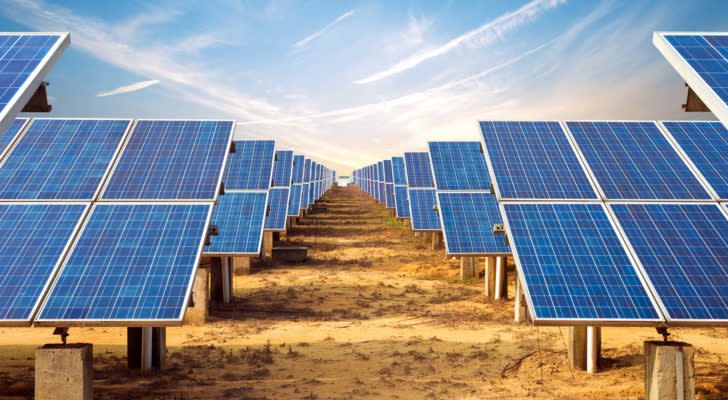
{"x":352,"y":82}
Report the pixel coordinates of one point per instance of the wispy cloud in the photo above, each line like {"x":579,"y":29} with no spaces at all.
{"x":128,"y":88}
{"x":308,"y":39}
{"x":481,"y":36}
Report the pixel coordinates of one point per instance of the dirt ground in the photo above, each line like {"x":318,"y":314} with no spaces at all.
{"x":373,"y":314}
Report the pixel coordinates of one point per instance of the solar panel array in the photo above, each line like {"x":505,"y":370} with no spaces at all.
{"x":649,"y":249}
{"x":701,"y":59}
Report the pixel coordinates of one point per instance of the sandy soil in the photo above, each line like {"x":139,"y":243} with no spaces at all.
{"x":374,"y":314}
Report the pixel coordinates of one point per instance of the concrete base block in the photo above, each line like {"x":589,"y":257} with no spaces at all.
{"x":241,"y":266}
{"x":290,"y":253}
{"x":64,"y":372}
{"x":669,"y":371}
{"x":199,"y":305}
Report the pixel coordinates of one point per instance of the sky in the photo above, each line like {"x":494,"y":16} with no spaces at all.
{"x":349,"y":83}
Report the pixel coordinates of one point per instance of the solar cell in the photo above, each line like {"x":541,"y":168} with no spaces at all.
{"x":61,"y":159}
{"x":534,"y":160}
{"x":283,"y":168}
{"x":251,"y":166}
{"x":35,"y":237}
{"x":706,"y":146}
{"x":418,"y":170}
{"x":701,"y":59}
{"x":400,"y":177}
{"x":130,"y":263}
{"x":25,"y":59}
{"x":635,"y":161}
{"x":459,"y":166}
{"x":171,"y":160}
{"x":467,"y":219}
{"x":9,"y":135}
{"x":294,"y":201}
{"x":400,"y":197}
{"x":239,"y":217}
{"x":684,"y":250}
{"x":389,"y":201}
{"x":422,"y":204}
{"x":298,"y":163}
{"x":277,"y":209}
{"x":574,"y":266}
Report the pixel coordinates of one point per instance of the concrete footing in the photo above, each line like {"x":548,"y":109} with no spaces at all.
{"x":669,"y":371}
{"x":64,"y":372}
{"x":199,"y":306}
{"x":468,"y":267}
{"x":241,"y":265}
{"x":146,"y":347}
{"x":290,"y":253}
{"x":520,"y":309}
{"x":585,"y":348}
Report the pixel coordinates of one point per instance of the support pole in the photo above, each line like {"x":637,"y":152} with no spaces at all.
{"x":436,"y":240}
{"x":216,"y":278}
{"x":517,"y":302}
{"x":267,"y":245}
{"x":198,"y":308}
{"x":226,"y":280}
{"x":146,"y":348}
{"x":500,"y":277}
{"x":468,"y":266}
{"x":489,"y":283}
{"x":577,"y":347}
{"x":669,"y":370}
{"x":593,"y":348}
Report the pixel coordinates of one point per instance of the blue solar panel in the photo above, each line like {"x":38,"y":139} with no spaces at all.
{"x":9,"y":135}
{"x":382,"y":193}
{"x":294,"y":201}
{"x":307,"y":171}
{"x":418,"y":169}
{"x":131,"y":262}
{"x":277,"y":209}
{"x":239,"y":217}
{"x":422,"y":210}
{"x":400,"y":197}
{"x":400,"y":176}
{"x":388,"y":175}
{"x":24,"y":61}
{"x":634,"y":160}
{"x":534,"y":160}
{"x":702,"y":60}
{"x":389,"y":195}
{"x":283,"y":168}
{"x":574,"y":265}
{"x":459,"y":166}
{"x":684,"y":250}
{"x":467,"y":219}
{"x":171,"y":160}
{"x":706,"y":145}
{"x":35,"y":237}
{"x":61,"y":159}
{"x":251,"y":166}
{"x":298,"y":164}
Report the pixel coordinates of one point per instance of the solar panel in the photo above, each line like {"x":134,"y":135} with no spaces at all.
{"x":574,"y":266}
{"x":61,"y":159}
{"x":534,"y":160}
{"x":239,"y":217}
{"x":400,"y":177}
{"x":389,"y":195}
{"x":400,"y":197}
{"x":701,"y":59}
{"x":307,"y":171}
{"x":418,"y":169}
{"x":706,"y":146}
{"x":459,"y":166}
{"x":684,"y":250}
{"x":382,"y":192}
{"x":9,"y":135}
{"x":467,"y":219}
{"x":130,"y":263}
{"x":25,"y":59}
{"x":251,"y":166}
{"x":277,"y":209}
{"x":422,"y":204}
{"x":171,"y":160}
{"x":635,"y":161}
{"x":388,"y":175}
{"x":35,"y":238}
{"x":283,"y":168}
{"x":304,"y":195}
{"x":294,"y":201}
{"x":298,"y":164}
